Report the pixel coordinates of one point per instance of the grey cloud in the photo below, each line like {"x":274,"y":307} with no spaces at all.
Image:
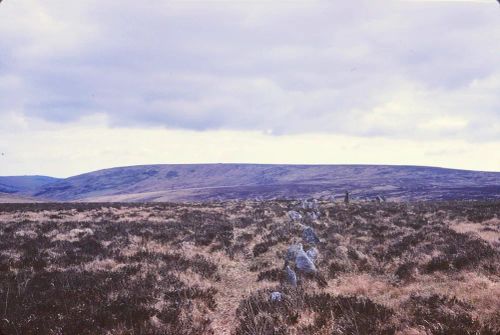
{"x":340,"y":67}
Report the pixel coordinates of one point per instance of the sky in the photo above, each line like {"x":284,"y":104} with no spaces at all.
{"x":86,"y":85}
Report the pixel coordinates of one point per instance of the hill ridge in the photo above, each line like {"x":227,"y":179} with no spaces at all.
{"x":228,"y":181}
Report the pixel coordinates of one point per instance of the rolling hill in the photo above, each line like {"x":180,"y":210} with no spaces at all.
{"x":23,"y":184}
{"x":204,"y":182}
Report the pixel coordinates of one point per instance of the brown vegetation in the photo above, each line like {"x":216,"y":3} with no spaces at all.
{"x":384,"y":268}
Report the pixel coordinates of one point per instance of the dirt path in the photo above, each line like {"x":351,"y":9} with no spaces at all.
{"x":236,"y":283}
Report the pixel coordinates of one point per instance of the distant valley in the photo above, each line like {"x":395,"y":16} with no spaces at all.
{"x":211,"y":182}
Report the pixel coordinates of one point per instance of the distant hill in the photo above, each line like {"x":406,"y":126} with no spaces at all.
{"x":23,"y":184}
{"x":202,"y":182}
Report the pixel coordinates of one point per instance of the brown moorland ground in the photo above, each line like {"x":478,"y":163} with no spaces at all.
{"x":383,"y":268}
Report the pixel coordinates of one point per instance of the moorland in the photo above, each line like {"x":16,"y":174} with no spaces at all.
{"x":212,"y":268}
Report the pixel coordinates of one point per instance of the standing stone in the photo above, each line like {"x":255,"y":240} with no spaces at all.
{"x":291,"y":276}
{"x":304,"y":263}
{"x":346,"y":198}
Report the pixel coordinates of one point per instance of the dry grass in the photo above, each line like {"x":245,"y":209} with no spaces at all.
{"x":420,"y":268}
{"x":488,"y":230}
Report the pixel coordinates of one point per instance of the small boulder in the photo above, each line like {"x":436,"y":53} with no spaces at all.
{"x":292,"y":251}
{"x":276,"y":296}
{"x":309,"y":235}
{"x":304,"y":263}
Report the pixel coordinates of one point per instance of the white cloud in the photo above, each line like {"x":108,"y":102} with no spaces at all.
{"x":444,"y":124}
{"x":394,"y":71}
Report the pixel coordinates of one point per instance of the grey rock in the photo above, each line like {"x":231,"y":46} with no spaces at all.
{"x":294,"y":215}
{"x":276,"y":296}
{"x":304,"y":263}
{"x":313,"y":254}
{"x":292,"y":252}
{"x":309,"y":235}
{"x":346,"y":198}
{"x":291,"y":276}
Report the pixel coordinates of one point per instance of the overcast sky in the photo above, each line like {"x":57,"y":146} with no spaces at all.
{"x":92,"y":84}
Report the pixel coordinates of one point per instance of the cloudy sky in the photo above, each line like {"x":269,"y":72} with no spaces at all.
{"x":92,"y":84}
